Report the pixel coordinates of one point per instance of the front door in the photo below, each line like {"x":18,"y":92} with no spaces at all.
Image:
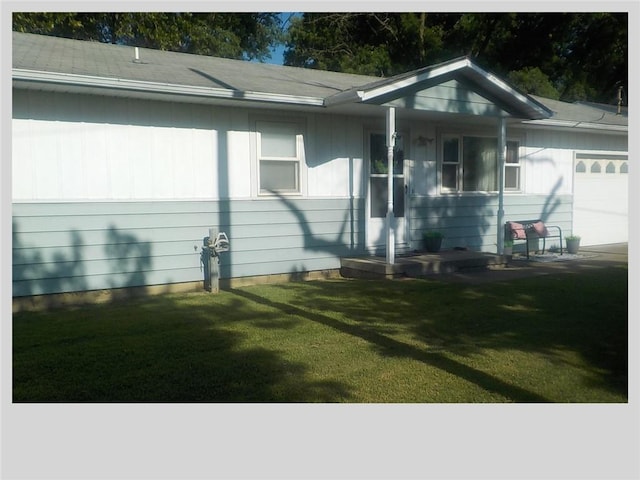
{"x":377,"y":197}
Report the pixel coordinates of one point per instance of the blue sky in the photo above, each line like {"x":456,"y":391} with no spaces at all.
{"x":277,"y":53}
{"x":277,"y":56}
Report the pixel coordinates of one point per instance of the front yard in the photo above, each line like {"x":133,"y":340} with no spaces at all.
{"x":555,"y":338}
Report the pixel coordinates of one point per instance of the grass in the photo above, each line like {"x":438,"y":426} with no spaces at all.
{"x":557,"y":338}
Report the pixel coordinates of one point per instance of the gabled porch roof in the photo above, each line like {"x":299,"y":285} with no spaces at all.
{"x":468,"y":83}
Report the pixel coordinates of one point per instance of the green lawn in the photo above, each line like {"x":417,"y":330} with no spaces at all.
{"x":555,"y":338}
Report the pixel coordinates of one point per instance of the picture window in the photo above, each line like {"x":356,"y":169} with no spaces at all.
{"x":470,"y":164}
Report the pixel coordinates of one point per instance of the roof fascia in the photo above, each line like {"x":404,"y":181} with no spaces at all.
{"x":462,"y":66}
{"x":502,"y":85}
{"x":394,"y":84}
{"x":419,"y":77}
{"x":80,"y":81}
{"x":576,"y":125}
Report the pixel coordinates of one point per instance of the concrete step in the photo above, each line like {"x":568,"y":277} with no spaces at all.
{"x":419,"y":265}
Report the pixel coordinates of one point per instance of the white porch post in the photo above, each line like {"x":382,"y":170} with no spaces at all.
{"x":391,"y":140}
{"x":502,"y":153}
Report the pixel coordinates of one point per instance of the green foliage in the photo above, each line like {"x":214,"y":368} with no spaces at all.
{"x":230,"y":35}
{"x":571,"y":56}
{"x":532,"y":80}
{"x":378,"y":44}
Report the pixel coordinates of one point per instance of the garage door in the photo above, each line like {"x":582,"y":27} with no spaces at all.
{"x":600,"y":198}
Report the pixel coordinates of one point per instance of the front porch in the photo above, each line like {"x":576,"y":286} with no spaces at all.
{"x":419,"y":264}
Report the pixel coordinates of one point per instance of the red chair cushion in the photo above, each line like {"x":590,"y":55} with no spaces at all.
{"x":517,"y":231}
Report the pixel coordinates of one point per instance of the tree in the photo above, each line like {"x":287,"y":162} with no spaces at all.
{"x":380,"y":44}
{"x":578,"y":56}
{"x":245,"y":36}
{"x":533,"y":80}
{"x":598,"y":55}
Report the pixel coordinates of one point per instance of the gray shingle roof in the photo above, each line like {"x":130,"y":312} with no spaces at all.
{"x":61,"y":55}
{"x":583,"y":112}
{"x":41,"y":53}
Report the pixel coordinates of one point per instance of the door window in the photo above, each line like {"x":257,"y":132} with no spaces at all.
{"x":378,"y":177}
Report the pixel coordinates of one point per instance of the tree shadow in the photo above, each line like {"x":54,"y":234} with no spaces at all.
{"x":129,"y":256}
{"x":34,"y":273}
{"x":119,"y":260}
{"x":162,"y":349}
{"x":521,"y":315}
{"x":391,"y":347}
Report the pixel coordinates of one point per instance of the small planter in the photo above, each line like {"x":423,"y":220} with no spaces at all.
{"x":573,"y":244}
{"x":432,"y":241}
{"x":507,"y":251}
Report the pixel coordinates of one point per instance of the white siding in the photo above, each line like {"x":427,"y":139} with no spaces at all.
{"x":334,"y":156}
{"x":239,"y":167}
{"x":97,"y":177}
{"x":548,"y":157}
{"x":75,"y":147}
{"x":131,"y":150}
{"x":424,"y":177}
{"x":546,"y":170}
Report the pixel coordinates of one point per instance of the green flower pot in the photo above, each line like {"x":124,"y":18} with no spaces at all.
{"x":573,"y":244}
{"x":432,"y":243}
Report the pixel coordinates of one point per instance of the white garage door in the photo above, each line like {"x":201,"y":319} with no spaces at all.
{"x":600,"y":198}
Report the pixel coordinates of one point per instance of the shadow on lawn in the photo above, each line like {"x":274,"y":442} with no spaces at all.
{"x":391,"y":347}
{"x":168,"y":352}
{"x":566,"y":313}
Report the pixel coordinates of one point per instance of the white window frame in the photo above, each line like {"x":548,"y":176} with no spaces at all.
{"x":404,"y":174}
{"x":457,"y":163}
{"x":517,"y":166}
{"x":297,"y":160}
{"x":459,"y":189}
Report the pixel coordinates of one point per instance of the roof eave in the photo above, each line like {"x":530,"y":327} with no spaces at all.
{"x":138,"y":86}
{"x":551,"y":123}
{"x":383,"y":87}
{"x":526,"y":106}
{"x":533,"y":109}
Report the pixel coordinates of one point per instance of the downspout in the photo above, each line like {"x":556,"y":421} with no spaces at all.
{"x":391,"y":140}
{"x":502,"y":148}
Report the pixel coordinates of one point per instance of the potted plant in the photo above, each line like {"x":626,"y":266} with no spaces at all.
{"x":573,"y":243}
{"x":508,"y":248}
{"x":432,"y":240}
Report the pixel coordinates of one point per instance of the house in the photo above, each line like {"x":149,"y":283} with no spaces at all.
{"x":124,"y":158}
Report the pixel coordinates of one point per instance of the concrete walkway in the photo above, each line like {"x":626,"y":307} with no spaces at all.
{"x":588,"y":258}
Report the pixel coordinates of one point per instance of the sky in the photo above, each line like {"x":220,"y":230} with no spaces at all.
{"x":277,"y":57}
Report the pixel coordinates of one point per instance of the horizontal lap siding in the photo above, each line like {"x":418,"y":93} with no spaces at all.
{"x":67,"y":247}
{"x":471,"y":221}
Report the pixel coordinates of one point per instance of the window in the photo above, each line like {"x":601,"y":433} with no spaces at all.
{"x":378,"y":175}
{"x":450,"y":162}
{"x":611,"y":163}
{"x":512,"y":167}
{"x":279,"y":157}
{"x":470,"y":164}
